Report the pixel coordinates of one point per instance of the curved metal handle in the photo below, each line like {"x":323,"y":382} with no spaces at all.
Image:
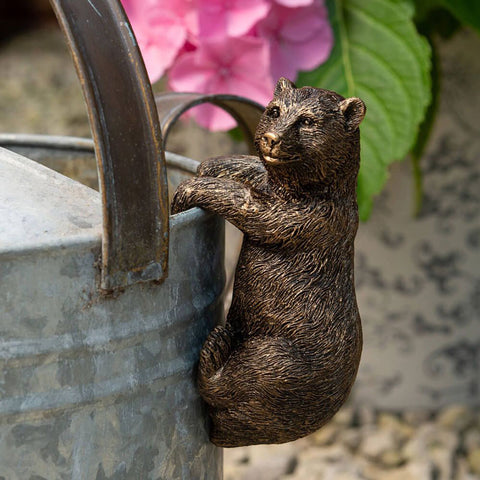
{"x":246,"y":112}
{"x":128,"y":142}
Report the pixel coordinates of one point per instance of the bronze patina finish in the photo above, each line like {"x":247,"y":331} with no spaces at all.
{"x":171,"y":105}
{"x":128,"y":140}
{"x":287,"y":357}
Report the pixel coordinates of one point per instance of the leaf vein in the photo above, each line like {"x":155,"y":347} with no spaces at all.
{"x":344,"y":45}
{"x":386,"y":66}
{"x":389,"y":32}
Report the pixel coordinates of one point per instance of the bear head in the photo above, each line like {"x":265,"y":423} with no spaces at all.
{"x":308,"y":138}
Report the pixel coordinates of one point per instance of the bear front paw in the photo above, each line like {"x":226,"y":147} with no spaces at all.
{"x":182,"y":198}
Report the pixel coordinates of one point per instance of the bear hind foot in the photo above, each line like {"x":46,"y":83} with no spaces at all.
{"x":215,"y":351}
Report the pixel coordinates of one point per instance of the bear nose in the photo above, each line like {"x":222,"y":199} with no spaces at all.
{"x":270,"y":139}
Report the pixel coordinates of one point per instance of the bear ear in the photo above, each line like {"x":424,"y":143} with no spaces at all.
{"x":353,"y":110}
{"x":283,"y":85}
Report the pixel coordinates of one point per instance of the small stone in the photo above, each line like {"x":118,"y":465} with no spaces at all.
{"x":436,"y":445}
{"x":474,"y":461}
{"x":310,"y":466}
{"x":235,"y":456}
{"x":372,"y":470}
{"x":303,"y":476}
{"x":443,"y":459}
{"x":325,"y":436}
{"x":391,"y":458}
{"x":365,"y":415}
{"x":270,"y":462}
{"x":456,"y":417}
{"x":399,"y":428}
{"x":377,"y":443}
{"x":463,"y":471}
{"x":233,"y":471}
{"x":332,"y":454}
{"x":471,"y":439}
{"x":419,"y":470}
{"x":235,"y":462}
{"x":314,"y":463}
{"x":342,"y":472}
{"x":415,"y":418}
{"x":270,"y":470}
{"x":427,"y":438}
{"x":351,"y":438}
{"x":344,"y":417}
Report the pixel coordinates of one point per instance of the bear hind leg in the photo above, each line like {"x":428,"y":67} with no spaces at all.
{"x":215,"y":351}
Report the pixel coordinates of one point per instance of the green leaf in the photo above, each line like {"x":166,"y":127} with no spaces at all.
{"x":467,"y":11}
{"x":380,"y":57}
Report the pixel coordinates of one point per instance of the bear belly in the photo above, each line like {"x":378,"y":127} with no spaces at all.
{"x":279,"y":293}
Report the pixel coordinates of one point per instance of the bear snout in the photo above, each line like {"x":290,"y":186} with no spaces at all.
{"x":270,"y":139}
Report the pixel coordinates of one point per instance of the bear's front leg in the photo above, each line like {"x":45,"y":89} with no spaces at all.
{"x":231,"y":200}
{"x":260,"y":215}
{"x":245,"y":169}
{"x":184,"y":197}
{"x":218,"y":195}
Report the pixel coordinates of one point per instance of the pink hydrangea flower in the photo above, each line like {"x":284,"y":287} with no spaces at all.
{"x":229,"y":46}
{"x":294,"y":3}
{"x":161,"y":29}
{"x":238,"y":66}
{"x":229,"y":18}
{"x":299,"y":38}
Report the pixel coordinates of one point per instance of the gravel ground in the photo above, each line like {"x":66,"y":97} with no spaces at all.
{"x":366,"y":445}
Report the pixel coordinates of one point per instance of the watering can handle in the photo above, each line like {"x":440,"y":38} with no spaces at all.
{"x":128,"y":141}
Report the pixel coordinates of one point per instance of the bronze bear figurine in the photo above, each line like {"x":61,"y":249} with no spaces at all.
{"x":288,"y":355}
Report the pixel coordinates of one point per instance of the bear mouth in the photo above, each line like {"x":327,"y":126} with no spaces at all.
{"x":271,"y":160}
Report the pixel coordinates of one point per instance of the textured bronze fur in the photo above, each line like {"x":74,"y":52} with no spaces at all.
{"x":288,"y":355}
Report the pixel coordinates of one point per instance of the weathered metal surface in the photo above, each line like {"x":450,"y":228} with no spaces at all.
{"x":47,"y":142}
{"x":45,"y":146}
{"x":128,"y":141}
{"x":172,"y":105}
{"x":41,"y":209}
{"x":95,"y":387}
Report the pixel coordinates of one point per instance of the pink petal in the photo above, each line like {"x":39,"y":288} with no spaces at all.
{"x":131,"y":8}
{"x":186,"y":11}
{"x":158,"y":57}
{"x":213,"y":118}
{"x":238,"y":66}
{"x":305,"y":23}
{"x":282,"y":66}
{"x":234,"y":18}
{"x":245,"y":15}
{"x":308,"y":56}
{"x":186,"y":75}
{"x":212,"y":19}
{"x":299,"y":38}
{"x":160,"y":31}
{"x":294,"y":3}
{"x":313,"y":52}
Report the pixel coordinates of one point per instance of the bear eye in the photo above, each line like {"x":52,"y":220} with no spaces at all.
{"x":306,"y":122}
{"x":274,"y":112}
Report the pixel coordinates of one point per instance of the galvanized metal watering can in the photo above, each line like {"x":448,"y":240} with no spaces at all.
{"x":105,"y":301}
